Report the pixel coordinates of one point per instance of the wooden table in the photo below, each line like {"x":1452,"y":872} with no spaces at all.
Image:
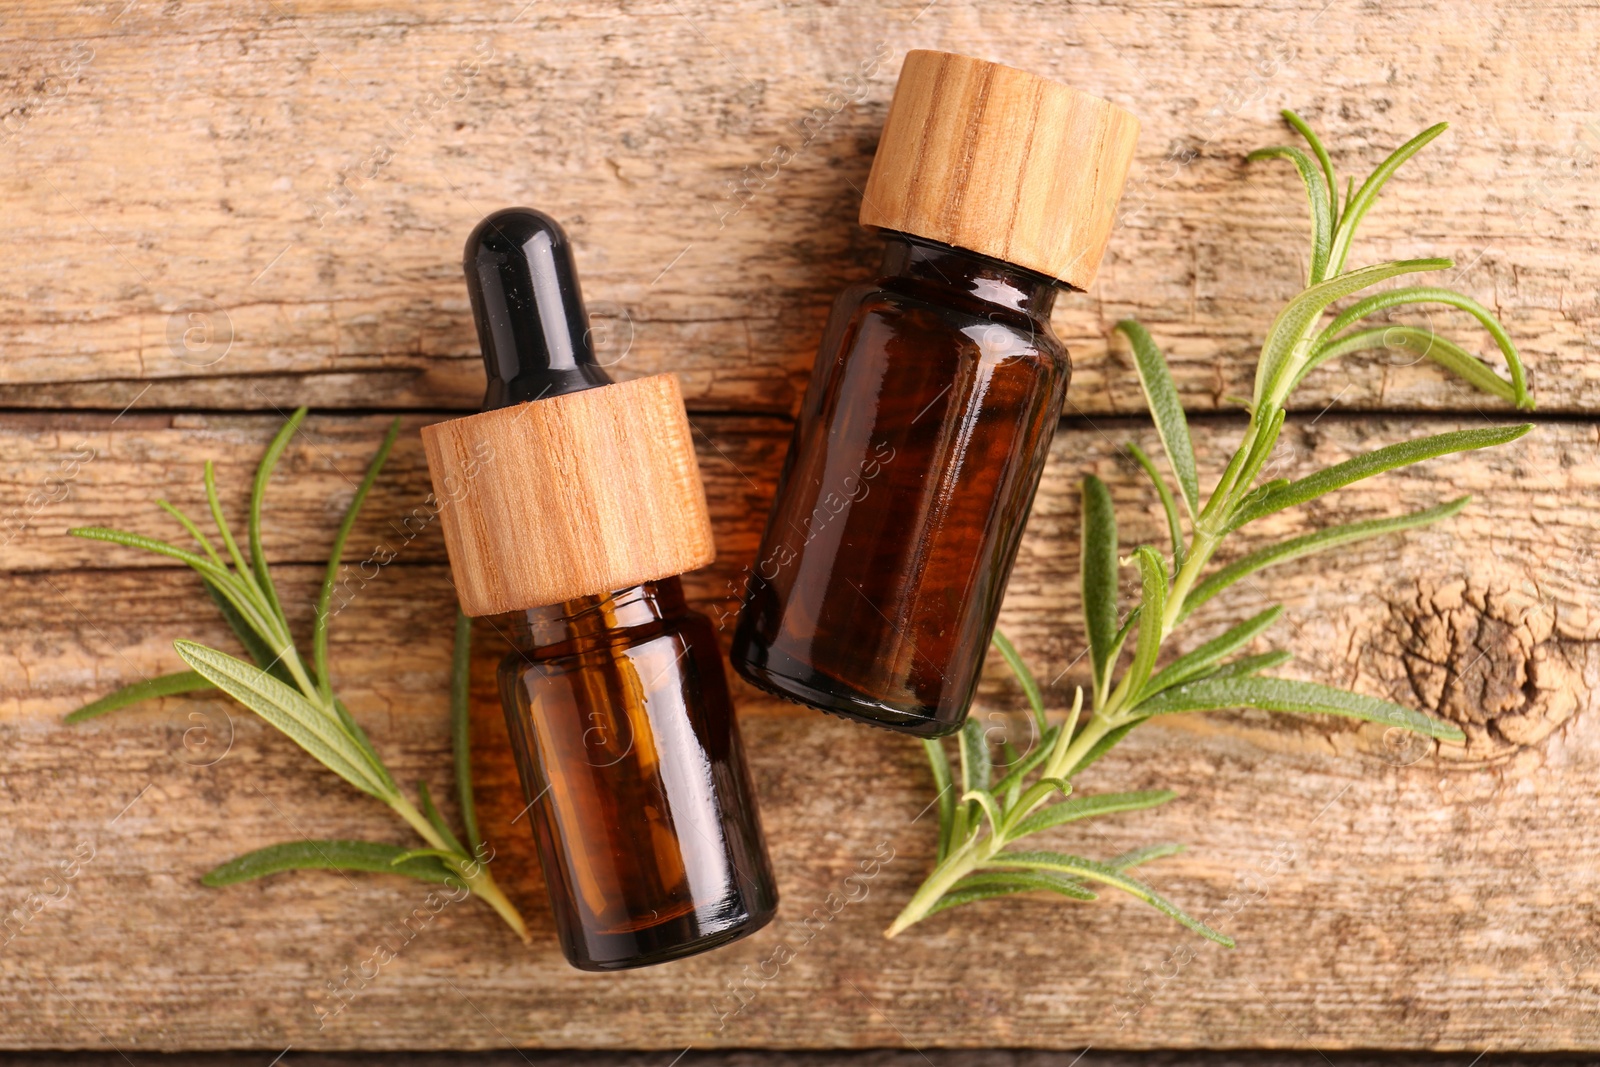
{"x":213,"y":213}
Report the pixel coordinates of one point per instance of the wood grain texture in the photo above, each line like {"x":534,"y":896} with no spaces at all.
{"x":571,"y":496}
{"x":1384,"y":894}
{"x":210,"y":206}
{"x":1000,"y":161}
{"x":853,"y":1058}
{"x":770,"y":1058}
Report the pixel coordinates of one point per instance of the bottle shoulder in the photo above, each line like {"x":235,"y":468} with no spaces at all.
{"x":576,"y":651}
{"x":901,"y":300}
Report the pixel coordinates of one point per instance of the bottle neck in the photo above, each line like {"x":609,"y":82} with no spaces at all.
{"x":576,"y":625}
{"x":979,"y":277}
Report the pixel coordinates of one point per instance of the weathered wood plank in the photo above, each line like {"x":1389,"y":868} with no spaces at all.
{"x":1527,"y":545}
{"x":1383,"y":895}
{"x":86,"y":470}
{"x":217,"y":208}
{"x":837,"y":1058}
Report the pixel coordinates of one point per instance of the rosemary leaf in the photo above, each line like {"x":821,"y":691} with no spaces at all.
{"x":310,"y":855}
{"x":319,"y":633}
{"x":976,"y":887}
{"x":165,"y":685}
{"x":1284,"y":694}
{"x":286,"y":709}
{"x":1358,"y":205}
{"x":1426,"y":344}
{"x":1166,"y":409}
{"x":1137,"y":856}
{"x":1320,"y":541}
{"x":1285,"y":347}
{"x":1024,"y":676}
{"x":945,"y":799}
{"x":246,"y":576}
{"x":986,"y":801}
{"x":1315,"y":142}
{"x":1244,"y":665}
{"x":258,"y":492}
{"x":1099,"y":576}
{"x":1168,"y":505}
{"x":975,"y":764}
{"x":1292,"y":494}
{"x":1316,"y":185}
{"x":461,"y":727}
{"x":1087,"y":807}
{"x":1100,"y":872}
{"x":1424,"y":294}
{"x":1194,"y":663}
{"x":1152,"y":608}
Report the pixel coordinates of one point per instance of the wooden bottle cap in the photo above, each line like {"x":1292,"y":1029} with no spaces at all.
{"x":1001,"y":162}
{"x":574,"y":495}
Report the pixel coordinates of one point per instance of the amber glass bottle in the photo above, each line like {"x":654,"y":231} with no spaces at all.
{"x":904,"y":494}
{"x":937,"y":388}
{"x":570,"y":505}
{"x":629,"y":752}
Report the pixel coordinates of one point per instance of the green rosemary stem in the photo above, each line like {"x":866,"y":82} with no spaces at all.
{"x":955,"y":867}
{"x":418,"y":822}
{"x":484,"y":887}
{"x":1219,"y":495}
{"x":290,"y":657}
{"x":1200,"y":552}
{"x":977,"y":849}
{"x":1057,"y":764}
{"x":471,"y":869}
{"x":1099,"y":724}
{"x":1119,"y":694}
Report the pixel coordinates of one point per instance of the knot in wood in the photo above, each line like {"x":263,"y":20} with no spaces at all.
{"x":1485,"y":655}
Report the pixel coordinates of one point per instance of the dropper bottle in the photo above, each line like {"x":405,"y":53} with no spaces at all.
{"x":570,"y":506}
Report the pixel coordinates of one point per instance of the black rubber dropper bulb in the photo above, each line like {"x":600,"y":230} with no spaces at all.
{"x":532,"y":325}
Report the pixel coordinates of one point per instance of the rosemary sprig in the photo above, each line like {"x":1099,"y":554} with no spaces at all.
{"x":299,"y":699}
{"x":981,"y":819}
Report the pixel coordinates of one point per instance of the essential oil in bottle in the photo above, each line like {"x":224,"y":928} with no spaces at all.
{"x":570,"y":505}
{"x":936,"y":391}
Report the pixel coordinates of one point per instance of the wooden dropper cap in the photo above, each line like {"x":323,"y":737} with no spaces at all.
{"x":1001,"y":162}
{"x":567,"y":484}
